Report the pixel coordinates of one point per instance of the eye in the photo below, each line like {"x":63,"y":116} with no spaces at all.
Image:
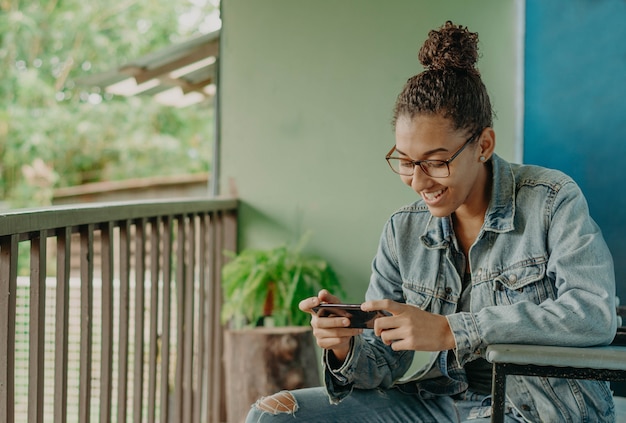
{"x":434,"y":164}
{"x":406,"y":164}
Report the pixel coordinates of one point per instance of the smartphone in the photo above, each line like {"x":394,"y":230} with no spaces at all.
{"x":358,"y":318}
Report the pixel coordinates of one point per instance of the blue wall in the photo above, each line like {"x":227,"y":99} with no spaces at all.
{"x":575,"y":105}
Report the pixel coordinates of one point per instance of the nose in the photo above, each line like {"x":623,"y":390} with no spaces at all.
{"x":419,"y":181}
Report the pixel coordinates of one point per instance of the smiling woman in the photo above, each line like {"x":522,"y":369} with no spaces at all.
{"x":472,"y":231}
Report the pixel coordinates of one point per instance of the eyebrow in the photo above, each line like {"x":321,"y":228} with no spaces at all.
{"x":426,"y":154}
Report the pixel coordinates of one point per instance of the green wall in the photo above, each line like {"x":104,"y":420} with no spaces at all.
{"x":307,"y":91}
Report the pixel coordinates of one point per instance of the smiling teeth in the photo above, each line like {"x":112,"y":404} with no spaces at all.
{"x":432,"y":195}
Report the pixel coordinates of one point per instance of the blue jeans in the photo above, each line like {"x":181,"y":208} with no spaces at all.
{"x":378,"y":405}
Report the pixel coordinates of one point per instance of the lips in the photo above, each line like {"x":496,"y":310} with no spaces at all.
{"x":432,"y":196}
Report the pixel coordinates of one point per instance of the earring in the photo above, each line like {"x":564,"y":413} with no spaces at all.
{"x":482,"y":158}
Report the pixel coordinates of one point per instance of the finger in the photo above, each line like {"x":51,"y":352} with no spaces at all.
{"x":385,"y":337}
{"x":328,"y":338}
{"x":387,"y":305}
{"x":382,"y":324}
{"x":307,"y":304}
{"x":326,"y":297}
{"x":332,"y":343}
{"x":400,"y":345}
{"x":330,"y":322}
{"x":392,"y":337}
{"x":336,"y":332}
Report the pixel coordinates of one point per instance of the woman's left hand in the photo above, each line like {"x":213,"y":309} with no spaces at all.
{"x":410,"y":328}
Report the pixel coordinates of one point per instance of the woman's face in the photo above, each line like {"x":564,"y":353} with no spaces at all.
{"x":432,"y":137}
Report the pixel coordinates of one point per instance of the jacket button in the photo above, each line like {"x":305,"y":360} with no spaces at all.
{"x":513,"y":278}
{"x":448,"y":290}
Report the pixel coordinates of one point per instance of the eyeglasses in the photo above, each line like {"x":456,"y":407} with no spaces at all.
{"x":433,"y":168}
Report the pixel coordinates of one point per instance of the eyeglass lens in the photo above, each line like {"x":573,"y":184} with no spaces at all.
{"x":434,"y":168}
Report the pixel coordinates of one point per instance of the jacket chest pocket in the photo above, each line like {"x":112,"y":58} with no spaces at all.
{"x":526,"y":282}
{"x":439,"y":300}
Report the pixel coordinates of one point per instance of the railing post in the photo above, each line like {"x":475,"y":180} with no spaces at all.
{"x":165,"y":336}
{"x":155,"y":245}
{"x":106,"y":338}
{"x":8,"y":283}
{"x":124,"y":313}
{"x":188,"y":311}
{"x":140,"y":274}
{"x":86,"y":321}
{"x":202,"y":343}
{"x":64,"y":237}
{"x":37,"y":327}
{"x":180,"y":317}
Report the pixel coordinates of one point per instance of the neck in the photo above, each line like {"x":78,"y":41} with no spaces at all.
{"x":469,"y":218}
{"x":475,"y":206}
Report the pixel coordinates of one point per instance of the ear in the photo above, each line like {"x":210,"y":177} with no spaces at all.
{"x":487,"y":143}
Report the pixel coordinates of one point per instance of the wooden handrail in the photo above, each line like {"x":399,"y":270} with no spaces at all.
{"x":45,"y":218}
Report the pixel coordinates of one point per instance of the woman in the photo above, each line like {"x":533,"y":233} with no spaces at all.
{"x":491,"y":252}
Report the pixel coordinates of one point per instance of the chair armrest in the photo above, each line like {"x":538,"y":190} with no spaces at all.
{"x":605,"y":357}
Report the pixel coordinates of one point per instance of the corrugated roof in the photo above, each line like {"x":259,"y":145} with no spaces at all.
{"x":178,"y":75}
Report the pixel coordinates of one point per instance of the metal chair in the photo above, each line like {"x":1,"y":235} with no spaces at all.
{"x":598,"y":363}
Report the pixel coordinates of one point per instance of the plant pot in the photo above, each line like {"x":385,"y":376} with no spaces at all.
{"x":262,"y":361}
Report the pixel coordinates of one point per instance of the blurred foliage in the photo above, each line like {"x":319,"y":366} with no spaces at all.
{"x":54,"y":133}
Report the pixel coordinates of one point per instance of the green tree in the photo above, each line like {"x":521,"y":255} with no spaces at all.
{"x":54,"y":133}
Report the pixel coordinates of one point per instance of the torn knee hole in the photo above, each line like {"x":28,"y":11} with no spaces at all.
{"x":282,"y":402}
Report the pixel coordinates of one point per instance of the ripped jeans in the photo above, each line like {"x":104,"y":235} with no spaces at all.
{"x":375,"y":405}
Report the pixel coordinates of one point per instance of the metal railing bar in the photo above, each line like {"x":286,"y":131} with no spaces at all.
{"x":212,"y":393}
{"x":180,"y":320}
{"x":64,"y":237}
{"x":124,"y":269}
{"x":165,"y":336}
{"x":106,"y":358}
{"x":201,"y":344}
{"x":140,"y":274}
{"x":42,"y":219}
{"x":155,"y":244}
{"x":86,"y":322}
{"x":226,"y":239}
{"x":189,"y":321}
{"x":8,"y":283}
{"x":36,"y":329}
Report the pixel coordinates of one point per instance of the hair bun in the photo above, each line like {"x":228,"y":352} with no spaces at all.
{"x":450,"y":47}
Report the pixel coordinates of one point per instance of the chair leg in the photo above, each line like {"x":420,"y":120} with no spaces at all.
{"x":498,"y":393}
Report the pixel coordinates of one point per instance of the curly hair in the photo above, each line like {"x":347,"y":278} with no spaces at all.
{"x":451,"y":85}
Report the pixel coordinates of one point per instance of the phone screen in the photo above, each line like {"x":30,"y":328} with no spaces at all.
{"x":358,"y":318}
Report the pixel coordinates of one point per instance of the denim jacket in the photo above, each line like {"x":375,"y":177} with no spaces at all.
{"x":541,"y":274}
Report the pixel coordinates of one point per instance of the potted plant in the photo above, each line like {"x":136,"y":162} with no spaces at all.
{"x":268,"y":344}
{"x":262,"y":287}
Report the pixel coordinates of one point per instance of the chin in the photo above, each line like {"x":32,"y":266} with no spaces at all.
{"x":439,"y":211}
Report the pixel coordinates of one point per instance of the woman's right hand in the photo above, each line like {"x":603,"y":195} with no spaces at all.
{"x":331,"y":333}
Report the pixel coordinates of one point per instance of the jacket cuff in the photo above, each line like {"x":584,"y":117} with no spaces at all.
{"x":466,"y":336}
{"x":339,"y":382}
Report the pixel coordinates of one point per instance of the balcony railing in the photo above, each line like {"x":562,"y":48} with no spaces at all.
{"x":109,"y":312}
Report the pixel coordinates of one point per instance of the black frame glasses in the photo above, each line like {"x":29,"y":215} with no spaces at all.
{"x":432,"y":168}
